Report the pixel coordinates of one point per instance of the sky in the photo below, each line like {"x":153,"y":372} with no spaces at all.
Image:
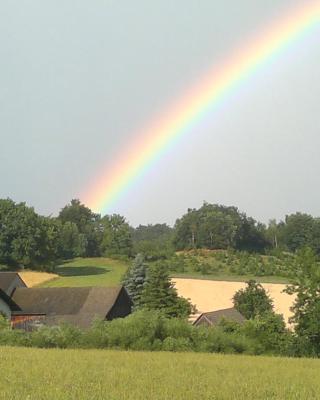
{"x":78,"y":79}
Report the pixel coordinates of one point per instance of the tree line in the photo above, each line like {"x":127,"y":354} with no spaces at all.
{"x":35,"y":241}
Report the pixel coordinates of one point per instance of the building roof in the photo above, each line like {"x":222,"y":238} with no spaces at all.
{"x":78,"y":306}
{"x":7,"y":299}
{"x":6,"y":280}
{"x":214,"y":317}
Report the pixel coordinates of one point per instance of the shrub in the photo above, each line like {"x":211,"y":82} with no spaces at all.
{"x":270,"y":331}
{"x":62,"y":336}
{"x":177,"y":344}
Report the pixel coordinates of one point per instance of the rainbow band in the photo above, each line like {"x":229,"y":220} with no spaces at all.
{"x":194,"y":105}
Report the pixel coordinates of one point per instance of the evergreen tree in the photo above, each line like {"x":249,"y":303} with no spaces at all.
{"x":160,"y":294}
{"x":135,"y":279}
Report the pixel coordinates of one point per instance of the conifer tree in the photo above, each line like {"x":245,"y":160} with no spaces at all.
{"x":160,"y":294}
{"x":134,"y":280}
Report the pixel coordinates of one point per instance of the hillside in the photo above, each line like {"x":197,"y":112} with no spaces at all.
{"x":231,"y":265}
{"x":88,"y":272}
{"x":118,"y":375}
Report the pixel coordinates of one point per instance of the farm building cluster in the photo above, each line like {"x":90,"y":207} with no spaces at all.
{"x":28,"y":308}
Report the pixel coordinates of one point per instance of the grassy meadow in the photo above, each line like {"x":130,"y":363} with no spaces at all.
{"x":117,"y":375}
{"x":88,"y":272}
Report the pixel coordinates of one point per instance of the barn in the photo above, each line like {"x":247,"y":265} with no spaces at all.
{"x":30,"y":307}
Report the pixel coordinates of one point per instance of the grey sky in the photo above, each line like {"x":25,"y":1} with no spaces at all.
{"x":79,"y":78}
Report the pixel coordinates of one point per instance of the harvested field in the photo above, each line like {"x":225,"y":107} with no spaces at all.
{"x":33,"y":278}
{"x":216,"y":295}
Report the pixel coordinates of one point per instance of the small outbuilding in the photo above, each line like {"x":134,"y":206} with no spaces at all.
{"x":214,"y":317}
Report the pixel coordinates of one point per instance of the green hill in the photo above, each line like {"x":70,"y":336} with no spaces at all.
{"x":89,"y":272}
{"x":200,"y":264}
{"x":231,"y":265}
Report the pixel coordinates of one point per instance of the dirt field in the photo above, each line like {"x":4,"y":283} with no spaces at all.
{"x":33,"y":278}
{"x":216,"y":295}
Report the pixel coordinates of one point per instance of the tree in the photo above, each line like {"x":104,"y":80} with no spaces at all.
{"x":151,"y":232}
{"x":26,"y":239}
{"x":298,"y":231}
{"x":79,"y":214}
{"x":71,"y":242}
{"x":306,"y":307}
{"x":270,"y":331}
{"x":216,"y":226}
{"x":273,"y":233}
{"x":251,"y":235}
{"x":252,"y":301}
{"x":160,"y":294}
{"x":116,"y":239}
{"x":186,"y":230}
{"x":153,"y":241}
{"x":88,"y":224}
{"x":134,"y":279}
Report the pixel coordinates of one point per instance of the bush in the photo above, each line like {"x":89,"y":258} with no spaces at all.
{"x":153,"y":331}
{"x":270,"y":331}
{"x":62,"y":336}
{"x":177,"y":344}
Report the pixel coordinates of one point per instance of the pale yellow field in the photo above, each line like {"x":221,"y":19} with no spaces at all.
{"x":209,"y":295}
{"x":33,"y":278}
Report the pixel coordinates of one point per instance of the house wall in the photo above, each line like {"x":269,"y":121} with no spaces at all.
{"x":16,"y":283}
{"x":27,"y":322}
{"x":122,"y":306}
{"x":5,"y":309}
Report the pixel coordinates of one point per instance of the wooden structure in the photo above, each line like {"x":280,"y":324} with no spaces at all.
{"x":28,"y":308}
{"x":214,"y":317}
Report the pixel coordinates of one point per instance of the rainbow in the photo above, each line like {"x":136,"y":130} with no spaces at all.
{"x":165,"y":130}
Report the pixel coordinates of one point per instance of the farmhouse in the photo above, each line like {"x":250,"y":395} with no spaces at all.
{"x":214,"y":317}
{"x":29,"y":307}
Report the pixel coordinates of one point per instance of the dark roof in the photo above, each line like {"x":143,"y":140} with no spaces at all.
{"x":12,"y":305}
{"x":214,"y":317}
{"x":74,"y":305}
{"x":7,"y":278}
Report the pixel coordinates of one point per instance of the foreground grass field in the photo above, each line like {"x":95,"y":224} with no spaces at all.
{"x":88,"y":272}
{"x":115,"y":375}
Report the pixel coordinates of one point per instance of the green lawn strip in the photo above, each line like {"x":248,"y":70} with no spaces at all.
{"x":88,"y":272}
{"x":41,"y":374}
